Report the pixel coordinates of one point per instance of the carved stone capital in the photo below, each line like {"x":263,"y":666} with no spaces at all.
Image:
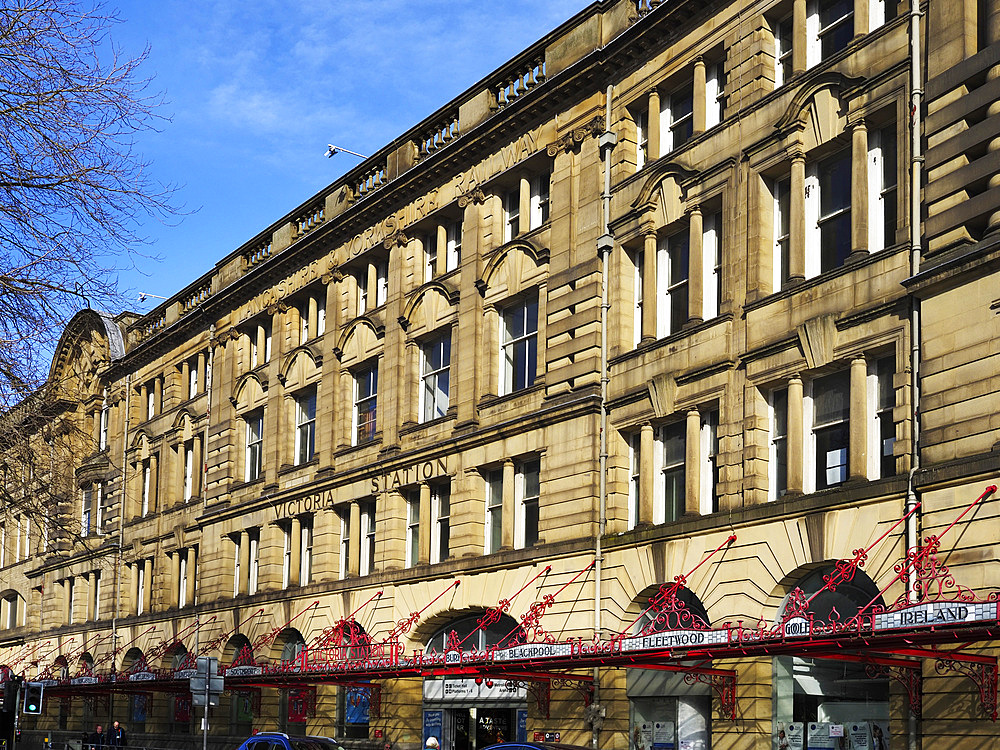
{"x":474,"y":195}
{"x":571,"y":141}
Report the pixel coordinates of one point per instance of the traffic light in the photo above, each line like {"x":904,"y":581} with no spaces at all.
{"x":33,"y":697}
{"x":10,"y":688}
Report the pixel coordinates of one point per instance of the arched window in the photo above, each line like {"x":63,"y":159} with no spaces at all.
{"x":467,"y":634}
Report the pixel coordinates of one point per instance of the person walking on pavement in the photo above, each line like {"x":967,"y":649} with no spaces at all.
{"x":116,"y":736}
{"x":95,"y":741}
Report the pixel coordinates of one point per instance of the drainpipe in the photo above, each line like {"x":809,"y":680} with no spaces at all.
{"x":121,"y":536}
{"x":916,"y":166}
{"x":209,"y":375}
{"x":605,"y":243}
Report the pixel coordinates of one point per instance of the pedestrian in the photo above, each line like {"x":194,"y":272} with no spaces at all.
{"x":432,"y":743}
{"x":116,"y":736}
{"x":96,"y":740}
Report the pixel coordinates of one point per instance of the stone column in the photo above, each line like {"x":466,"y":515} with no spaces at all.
{"x":354,"y":551}
{"x":653,"y":126}
{"x":859,"y":192}
{"x":144,"y":402}
{"x":174,"y":584}
{"x":185,"y":380}
{"x":133,"y":587}
{"x":698,"y":99}
{"x":647,"y":482}
{"x":696,"y":267}
{"x":524,"y":208}
{"x":507,"y":512}
{"x":858,"y":445}
{"x":295,"y":547}
{"x":202,"y":372}
{"x":192,"y":574}
{"x":424,"y":514}
{"x":244,"y":553}
{"x":95,"y":591}
{"x":649,"y":289}
{"x":157,"y":394}
{"x":799,"y":40}
{"x":795,"y":437}
{"x":861,"y":22}
{"x":797,"y":220}
{"x":692,"y":458}
{"x":442,"y":253}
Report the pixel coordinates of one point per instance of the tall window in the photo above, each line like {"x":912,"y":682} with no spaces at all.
{"x":260,"y":342}
{"x":86,"y":518}
{"x":454,"y":249}
{"x":367,"y":562}
{"x":641,"y":117}
{"x":188,"y":470}
{"x":253,"y":539}
{"x":254,"y":445}
{"x":494,"y":510}
{"x":672,"y":441}
{"x":519,"y":346}
{"x":150,"y":400}
{"x":430,"y":244}
{"x":527,"y":490}
{"x":305,"y":427}
{"x":672,"y":282}
{"x":365,"y":403}
{"x":102,"y":439}
{"x":361,"y":283}
{"x":638,"y":258}
{"x":829,"y":27}
{"x":780,"y":193}
{"x":192,"y":384}
{"x":715,"y":94}
{"x":182,"y":578}
{"x":441,"y":513}
{"x":778,"y":460}
{"x":782,"y":51}
{"x":344,"y":520}
{"x":677,"y":114}
{"x":381,"y":282}
{"x":828,"y":214}
{"x":831,"y":411}
{"x":883,"y":393}
{"x":412,"y":529}
{"x":147,"y":487}
{"x":140,"y":597}
{"x":435,"y":377}
{"x":712,"y":266}
{"x":634,"y":478}
{"x":539,"y":201}
{"x":305,"y":551}
{"x":286,"y":555}
{"x":882,"y":188}
{"x":511,"y":214}
{"x":708,"y":471}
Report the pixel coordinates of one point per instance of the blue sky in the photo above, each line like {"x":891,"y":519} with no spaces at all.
{"x":256,"y":89}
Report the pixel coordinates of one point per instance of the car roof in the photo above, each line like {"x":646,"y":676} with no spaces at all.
{"x":535,"y":746}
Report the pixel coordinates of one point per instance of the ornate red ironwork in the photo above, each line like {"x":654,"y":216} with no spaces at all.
{"x":244,"y":657}
{"x":530,"y":627}
{"x":164,"y":646}
{"x":113,"y":653}
{"x":983,"y":676}
{"x":217,"y":642}
{"x":273,"y":633}
{"x":909,"y":677}
{"x":666,"y":599}
{"x":722,"y":682}
{"x":584,"y":686}
{"x":403,"y":626}
{"x":357,"y":693}
{"x":333,"y":635}
{"x":492,"y":616}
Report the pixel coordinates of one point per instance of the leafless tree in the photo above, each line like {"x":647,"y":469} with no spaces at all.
{"x":73,"y":189}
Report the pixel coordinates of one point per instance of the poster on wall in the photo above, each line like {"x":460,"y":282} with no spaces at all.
{"x":182,"y":709}
{"x":522,"y":725}
{"x":880,"y":735}
{"x":826,"y":736}
{"x":860,"y":735}
{"x":140,"y":706}
{"x":663,"y":735}
{"x":789,"y":736}
{"x":244,"y":707}
{"x":433,"y":725}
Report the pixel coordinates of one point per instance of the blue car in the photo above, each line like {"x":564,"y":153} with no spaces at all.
{"x":281,"y":741}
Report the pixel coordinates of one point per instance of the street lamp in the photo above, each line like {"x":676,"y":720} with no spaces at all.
{"x":331,"y":150}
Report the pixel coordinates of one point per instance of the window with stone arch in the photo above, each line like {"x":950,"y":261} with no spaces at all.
{"x":824,"y":690}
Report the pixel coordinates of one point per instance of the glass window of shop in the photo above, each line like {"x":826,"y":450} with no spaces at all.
{"x":816,"y":692}
{"x":469,"y":714}
{"x":665,"y":713}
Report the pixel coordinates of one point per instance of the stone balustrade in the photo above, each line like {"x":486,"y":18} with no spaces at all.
{"x":645,"y":6}
{"x":259,"y":252}
{"x":310,"y":219}
{"x":371,"y":180}
{"x":196,"y":297}
{"x":441,"y":135}
{"x":520,"y":83}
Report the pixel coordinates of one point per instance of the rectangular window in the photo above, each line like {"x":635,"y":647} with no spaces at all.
{"x":367,"y":562}
{"x":677,"y":119}
{"x":305,"y":427}
{"x":672,"y":440}
{"x":192,"y":384}
{"x":831,"y":411}
{"x":511,"y":214}
{"x":494,"y":510}
{"x":102,"y":440}
{"x":828,"y":214}
{"x":254,"y":445}
{"x":361,"y":283}
{"x":95,"y":595}
{"x":140,"y":574}
{"x":344,"y":517}
{"x":100,"y":508}
{"x":711,"y":243}
{"x":829,"y":28}
{"x":182,"y":572}
{"x":641,"y":118}
{"x":286,"y":555}
{"x":715,"y":94}
{"x":381,"y":282}
{"x":320,"y":300}
{"x":412,"y":529}
{"x":188,"y":470}
{"x":880,"y":11}
{"x":519,"y":360}
{"x":441,"y":513}
{"x":780,"y":193}
{"x":253,"y":539}
{"x":672,"y":282}
{"x":778,"y":459}
{"x":150,"y":400}
{"x":634,"y":478}
{"x":147,"y":487}
{"x":883,"y":396}
{"x":708,"y":471}
{"x":782,"y":51}
{"x":638,"y":258}
{"x":435,"y":369}
{"x":303,"y":310}
{"x":260,"y":343}
{"x":527,"y":490}
{"x":539,"y":200}
{"x":365,"y":404}
{"x":454,"y":249}
{"x":882,"y":188}
{"x":86,"y":519}
{"x":430,"y":244}
{"x":305,"y":551}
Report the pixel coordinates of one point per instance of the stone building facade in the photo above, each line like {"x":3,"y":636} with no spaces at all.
{"x":642,"y":304}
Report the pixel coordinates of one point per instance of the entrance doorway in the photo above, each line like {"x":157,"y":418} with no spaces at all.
{"x":476,"y":728}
